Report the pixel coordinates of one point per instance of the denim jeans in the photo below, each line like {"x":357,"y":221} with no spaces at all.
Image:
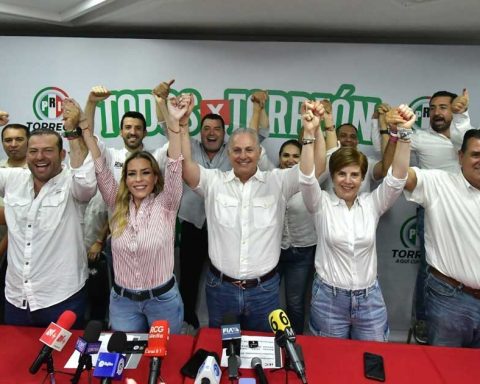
{"x":43,"y":317}
{"x":251,"y":305}
{"x":296,"y":267}
{"x":136,"y":316}
{"x":359,"y":314}
{"x":422,"y":270}
{"x":453,"y":316}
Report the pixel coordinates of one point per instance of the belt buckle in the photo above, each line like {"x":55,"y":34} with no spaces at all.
{"x":240,"y":283}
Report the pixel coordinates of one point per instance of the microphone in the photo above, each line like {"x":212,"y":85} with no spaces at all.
{"x":285,"y":338}
{"x":209,"y":372}
{"x":231,"y":339}
{"x":110,"y":364}
{"x":157,"y":347}
{"x":257,"y":366}
{"x":87,"y":345}
{"x":55,"y":337}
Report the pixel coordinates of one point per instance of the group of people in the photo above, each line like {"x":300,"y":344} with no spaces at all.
{"x":253,"y":222}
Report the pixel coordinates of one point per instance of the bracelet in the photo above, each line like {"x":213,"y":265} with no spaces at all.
{"x":73,"y":134}
{"x":384,"y":131}
{"x":172,"y":130}
{"x":404,"y":133}
{"x":393,"y":139}
{"x":308,"y":141}
{"x":392,"y":133}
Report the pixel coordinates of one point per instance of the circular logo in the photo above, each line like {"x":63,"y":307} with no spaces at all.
{"x":408,"y":233}
{"x":121,"y":365}
{"x":48,"y":103}
{"x":421,"y":107}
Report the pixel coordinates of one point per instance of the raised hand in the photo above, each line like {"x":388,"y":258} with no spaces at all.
{"x":460,"y":103}
{"x":407,"y":115}
{"x":73,"y":116}
{"x":179,"y":106}
{"x":98,"y":93}
{"x":162,"y":90}
{"x":259,"y":98}
{"x":328,"y":115}
{"x":4,"y":118}
{"x":394,"y":118}
{"x":312,"y":113}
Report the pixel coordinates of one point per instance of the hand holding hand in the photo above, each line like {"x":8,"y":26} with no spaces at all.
{"x":179,"y":106}
{"x":74,"y":117}
{"x":407,"y":115}
{"x":312,"y":113}
{"x":98,"y":93}
{"x":259,"y":98}
{"x":4,"y":118}
{"x":460,"y":103}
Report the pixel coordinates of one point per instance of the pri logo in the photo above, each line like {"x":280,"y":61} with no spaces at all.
{"x":421,"y":107}
{"x":408,"y":233}
{"x":48,"y":103}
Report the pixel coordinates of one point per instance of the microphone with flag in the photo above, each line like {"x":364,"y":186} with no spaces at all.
{"x":209,"y":372}
{"x":87,"y":346}
{"x":157,"y":347}
{"x":285,"y":338}
{"x":55,"y":337}
{"x":110,"y":364}
{"x":231,"y":340}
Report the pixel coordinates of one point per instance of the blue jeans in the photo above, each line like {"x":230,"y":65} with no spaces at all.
{"x":422,"y":270}
{"x":251,"y":305}
{"x":136,"y":316}
{"x":43,"y":317}
{"x":359,"y":314}
{"x":453,"y":316}
{"x":296,"y":267}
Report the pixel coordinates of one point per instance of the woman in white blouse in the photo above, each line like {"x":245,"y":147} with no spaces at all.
{"x":346,"y":299}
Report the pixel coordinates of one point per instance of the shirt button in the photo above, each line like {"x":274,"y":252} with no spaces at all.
{"x":28,"y":243}
{"x":29,"y":225}
{"x":26,"y":281}
{"x":26,"y":263}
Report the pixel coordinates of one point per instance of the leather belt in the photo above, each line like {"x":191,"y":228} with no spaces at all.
{"x":246,"y":283}
{"x":143,"y":295}
{"x":454,"y":283}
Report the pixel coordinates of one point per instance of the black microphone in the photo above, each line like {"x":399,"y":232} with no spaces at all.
{"x":285,"y":338}
{"x":87,"y":346}
{"x":55,"y":337}
{"x":231,"y":339}
{"x":110,"y":364}
{"x":257,"y":366}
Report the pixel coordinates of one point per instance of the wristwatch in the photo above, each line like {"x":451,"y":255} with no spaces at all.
{"x":73,"y":134}
{"x":404,"y":133}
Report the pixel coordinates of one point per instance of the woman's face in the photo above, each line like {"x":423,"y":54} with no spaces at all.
{"x":346,"y":183}
{"x":290,"y":156}
{"x":140,"y":179}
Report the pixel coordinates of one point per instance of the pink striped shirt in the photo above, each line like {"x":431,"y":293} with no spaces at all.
{"x":143,"y":254}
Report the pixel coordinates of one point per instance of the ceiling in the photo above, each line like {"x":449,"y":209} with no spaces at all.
{"x":382,"y":21}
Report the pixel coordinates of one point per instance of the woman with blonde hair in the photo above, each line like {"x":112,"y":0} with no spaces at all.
{"x":144,"y":209}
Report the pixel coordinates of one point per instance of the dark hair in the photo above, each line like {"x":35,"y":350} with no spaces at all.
{"x":213,"y":116}
{"x":470,"y":134}
{"x":45,"y":131}
{"x":134,"y":115}
{"x":345,"y":156}
{"x":443,"y":94}
{"x":294,"y":142}
{"x":16,"y":126}
{"x":346,"y":125}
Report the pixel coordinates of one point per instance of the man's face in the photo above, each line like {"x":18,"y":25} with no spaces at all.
{"x":347,"y":135}
{"x":470,"y":162}
{"x":244,"y":154}
{"x":44,"y":159}
{"x":132,"y":133}
{"x":440,"y":113}
{"x":15,"y":143}
{"x":212,"y":135}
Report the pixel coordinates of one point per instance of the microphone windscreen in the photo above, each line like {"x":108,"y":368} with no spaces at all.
{"x":92,"y":331}
{"x":117,"y":342}
{"x":67,"y":319}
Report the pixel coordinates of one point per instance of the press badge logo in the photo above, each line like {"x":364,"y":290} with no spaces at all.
{"x":408,"y":236}
{"x":421,"y":107}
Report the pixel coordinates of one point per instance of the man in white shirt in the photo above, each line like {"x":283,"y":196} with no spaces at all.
{"x":435,"y":148}
{"x":452,"y":219}
{"x":47,"y":264}
{"x":245,"y":208}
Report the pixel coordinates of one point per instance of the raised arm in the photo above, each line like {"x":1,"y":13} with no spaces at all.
{"x":259,"y":117}
{"x":161,"y":92}
{"x":401,"y":159}
{"x":392,"y":119}
{"x":73,"y":118}
{"x":97,"y":94}
{"x":313,"y":150}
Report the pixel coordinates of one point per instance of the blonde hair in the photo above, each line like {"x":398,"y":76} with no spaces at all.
{"x":120,"y":215}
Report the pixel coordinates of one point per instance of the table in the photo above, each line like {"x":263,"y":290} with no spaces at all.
{"x":329,"y":360}
{"x":20,"y":346}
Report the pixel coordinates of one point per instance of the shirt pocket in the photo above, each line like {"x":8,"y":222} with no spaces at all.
{"x":52,"y":210}
{"x":226,"y":210}
{"x":264,"y":211}
{"x":18,"y":207}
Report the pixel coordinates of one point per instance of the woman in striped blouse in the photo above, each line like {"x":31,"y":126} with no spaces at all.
{"x":144,"y":206}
